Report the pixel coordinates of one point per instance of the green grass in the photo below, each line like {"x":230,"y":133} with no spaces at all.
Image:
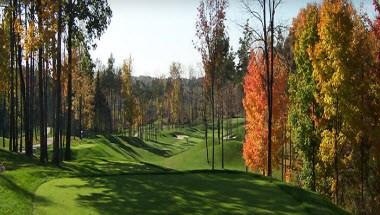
{"x":200,"y":192}
{"x":114,"y":174}
{"x":19,"y":182}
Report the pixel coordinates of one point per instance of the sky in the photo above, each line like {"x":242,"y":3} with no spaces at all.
{"x":156,"y":33}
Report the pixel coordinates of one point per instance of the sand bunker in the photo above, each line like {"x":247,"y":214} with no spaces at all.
{"x":181,"y":137}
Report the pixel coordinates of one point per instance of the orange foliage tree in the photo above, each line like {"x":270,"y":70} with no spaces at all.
{"x":256,"y":110}
{"x":255,"y":105}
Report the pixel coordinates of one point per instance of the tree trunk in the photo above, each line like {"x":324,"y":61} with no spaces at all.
{"x":43,"y":147}
{"x":58,"y":118}
{"x":213,"y":117}
{"x":336,"y":154}
{"x":28,"y":146}
{"x":271,"y":89}
{"x":218,"y":118}
{"x":3,"y":121}
{"x":282,"y":162}
{"x":31,"y":99}
{"x":45,"y":80}
{"x":290,"y":149}
{"x":12,"y":101}
{"x":29,"y":89}
{"x":69,"y":82}
{"x":285,"y":147}
{"x":222,"y":116}
{"x":15,"y":143}
{"x":80,"y":117}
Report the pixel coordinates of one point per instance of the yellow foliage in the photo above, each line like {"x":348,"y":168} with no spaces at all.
{"x":326,"y":148}
{"x":4,"y":53}
{"x":31,"y":42}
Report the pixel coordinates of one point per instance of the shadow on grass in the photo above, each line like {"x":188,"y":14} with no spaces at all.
{"x":312,"y":202}
{"x":95,"y":168}
{"x":194,"y":192}
{"x":161,"y":143}
{"x":10,"y":185}
{"x":192,"y":129}
{"x":197,"y":192}
{"x":129,"y":150}
{"x":14,"y":187}
{"x":136,"y":142}
{"x":13,"y":161}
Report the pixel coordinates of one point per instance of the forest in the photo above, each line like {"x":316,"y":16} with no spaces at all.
{"x":290,"y":117}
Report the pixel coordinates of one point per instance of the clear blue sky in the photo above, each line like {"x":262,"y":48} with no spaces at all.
{"x":158,"y":32}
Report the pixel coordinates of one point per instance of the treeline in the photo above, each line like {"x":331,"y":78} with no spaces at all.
{"x":312,"y":102}
{"x":52,"y":90}
{"x":44,"y":46}
{"x":143,"y":106}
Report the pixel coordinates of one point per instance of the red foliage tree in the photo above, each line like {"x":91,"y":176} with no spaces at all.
{"x":256,"y":110}
{"x":255,"y":105}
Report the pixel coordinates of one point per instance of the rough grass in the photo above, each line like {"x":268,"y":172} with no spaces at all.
{"x":115,"y":174}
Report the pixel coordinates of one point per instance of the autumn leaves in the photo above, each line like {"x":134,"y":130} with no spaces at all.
{"x":255,"y":105}
{"x":327,"y":106}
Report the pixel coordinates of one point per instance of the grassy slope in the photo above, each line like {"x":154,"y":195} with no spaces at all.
{"x":114,"y":174}
{"x":25,"y":175}
{"x":175,"y":193}
{"x":18,"y":183}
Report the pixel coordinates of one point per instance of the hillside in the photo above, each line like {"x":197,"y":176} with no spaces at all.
{"x":113,"y":174}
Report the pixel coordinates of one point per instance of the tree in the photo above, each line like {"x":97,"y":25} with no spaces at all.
{"x":12,"y":126}
{"x":341,"y":62}
{"x":34,"y":40}
{"x":225,"y":72}
{"x":370,"y":174}
{"x":175,"y":93}
{"x":83,"y":88}
{"x":4,"y":76}
{"x":254,"y":103}
{"x":129,"y":100}
{"x":245,"y":43}
{"x":304,"y":112}
{"x":265,"y":38}
{"x":47,"y":14}
{"x":30,"y":46}
{"x":70,"y":25}
{"x":329,"y":73}
{"x":242,"y":53}
{"x":82,"y":77}
{"x":110,"y":86}
{"x":95,"y":16}
{"x":57,"y":127}
{"x":211,"y":34}
{"x":256,"y":109}
{"x":102,"y":115}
